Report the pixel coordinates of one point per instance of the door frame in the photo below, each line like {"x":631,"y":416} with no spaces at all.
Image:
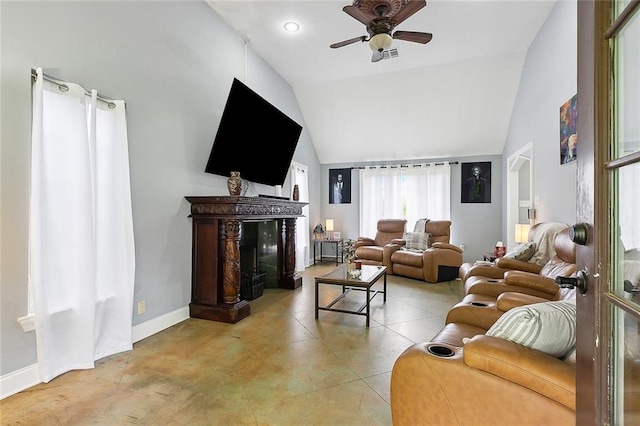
{"x":514,"y":164}
{"x":592,"y":92}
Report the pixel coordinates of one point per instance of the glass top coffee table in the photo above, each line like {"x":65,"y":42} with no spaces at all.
{"x":341,"y":275}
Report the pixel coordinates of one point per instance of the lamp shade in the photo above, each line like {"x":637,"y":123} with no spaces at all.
{"x":522,"y":232}
{"x":329,"y":225}
{"x":380,"y":42}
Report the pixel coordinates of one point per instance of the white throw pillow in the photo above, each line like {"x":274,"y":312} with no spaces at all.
{"x":418,"y":241}
{"x":549,"y":327}
{"x":522,"y":252}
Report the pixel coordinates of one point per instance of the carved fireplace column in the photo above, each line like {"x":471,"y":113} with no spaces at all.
{"x":231,"y":267}
{"x":289,"y":277}
{"x":290,"y":247}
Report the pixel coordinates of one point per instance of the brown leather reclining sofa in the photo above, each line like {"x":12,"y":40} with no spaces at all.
{"x":438,"y":262}
{"x":486,"y":379}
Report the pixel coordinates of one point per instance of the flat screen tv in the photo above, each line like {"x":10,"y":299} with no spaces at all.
{"x":254,"y":138}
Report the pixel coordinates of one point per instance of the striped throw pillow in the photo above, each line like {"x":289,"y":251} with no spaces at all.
{"x":549,"y":327}
{"x":417,"y":241}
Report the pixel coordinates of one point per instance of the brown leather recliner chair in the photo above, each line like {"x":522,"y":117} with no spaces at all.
{"x":541,"y":284}
{"x":378,"y":250}
{"x":487,"y":380}
{"x":439,"y":262}
{"x":542,"y":233}
{"x":487,"y":299}
{"x":482,"y":311}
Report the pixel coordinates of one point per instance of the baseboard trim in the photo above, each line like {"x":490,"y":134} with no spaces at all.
{"x":29,"y":376}
{"x":19,"y":380}
{"x":157,"y":324}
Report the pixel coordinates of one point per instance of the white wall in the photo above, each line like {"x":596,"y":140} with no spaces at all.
{"x":549,"y":79}
{"x":428,"y":108}
{"x":173,"y":63}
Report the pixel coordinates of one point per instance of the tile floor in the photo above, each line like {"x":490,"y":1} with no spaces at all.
{"x":279,"y":366}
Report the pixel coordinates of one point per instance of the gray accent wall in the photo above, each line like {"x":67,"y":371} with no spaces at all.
{"x":173,"y":64}
{"x":549,"y":79}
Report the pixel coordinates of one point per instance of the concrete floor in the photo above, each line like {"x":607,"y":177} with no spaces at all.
{"x":279,"y":366}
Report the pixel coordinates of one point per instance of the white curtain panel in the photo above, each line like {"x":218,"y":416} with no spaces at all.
{"x":300,"y":177}
{"x":81,"y":260}
{"x":428,"y":193}
{"x":380,"y":197}
{"x":409,"y":193}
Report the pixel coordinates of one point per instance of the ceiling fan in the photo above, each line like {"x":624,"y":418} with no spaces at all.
{"x":380,"y":18}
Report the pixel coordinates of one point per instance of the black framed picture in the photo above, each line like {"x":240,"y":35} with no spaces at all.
{"x":476,"y":182}
{"x":339,"y":186}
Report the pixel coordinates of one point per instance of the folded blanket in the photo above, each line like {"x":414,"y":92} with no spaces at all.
{"x":420,"y":224}
{"x":544,"y":237}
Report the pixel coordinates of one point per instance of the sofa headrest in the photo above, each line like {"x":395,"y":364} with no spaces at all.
{"x":565,"y":248}
{"x":438,"y":228}
{"x":391,"y":225}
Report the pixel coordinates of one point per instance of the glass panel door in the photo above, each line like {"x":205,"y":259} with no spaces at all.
{"x":623,"y":295}
{"x":624,"y":298}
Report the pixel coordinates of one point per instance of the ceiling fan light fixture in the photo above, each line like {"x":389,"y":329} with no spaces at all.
{"x":380,"y":42}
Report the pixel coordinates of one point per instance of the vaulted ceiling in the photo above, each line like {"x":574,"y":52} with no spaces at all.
{"x":451,"y":97}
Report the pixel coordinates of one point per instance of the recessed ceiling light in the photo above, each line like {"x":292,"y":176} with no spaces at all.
{"x":291,"y":26}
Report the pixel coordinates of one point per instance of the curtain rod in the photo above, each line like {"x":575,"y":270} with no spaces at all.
{"x":62,"y":85}
{"x":395,"y":166}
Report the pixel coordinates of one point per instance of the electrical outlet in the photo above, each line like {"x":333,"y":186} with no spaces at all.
{"x":141,"y":307}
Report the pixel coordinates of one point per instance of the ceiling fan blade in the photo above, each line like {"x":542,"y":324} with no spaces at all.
{"x":356,"y":13}
{"x":412,"y":7}
{"x":377,"y":56}
{"x":347,"y":42}
{"x":413,"y":36}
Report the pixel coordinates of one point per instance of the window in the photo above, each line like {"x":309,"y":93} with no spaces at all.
{"x":408,"y":192}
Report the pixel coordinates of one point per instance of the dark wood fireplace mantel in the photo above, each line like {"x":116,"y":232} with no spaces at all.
{"x":217,"y":224}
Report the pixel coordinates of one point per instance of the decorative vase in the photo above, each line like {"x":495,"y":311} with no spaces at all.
{"x":234,"y":183}
{"x":296,"y":193}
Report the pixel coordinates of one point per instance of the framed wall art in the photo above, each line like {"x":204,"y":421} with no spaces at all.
{"x":569,"y":130}
{"x":476,"y":182}
{"x":339,"y":186}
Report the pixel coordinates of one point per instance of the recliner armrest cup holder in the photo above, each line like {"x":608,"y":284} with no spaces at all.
{"x":440,"y":351}
{"x":478,"y":304}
